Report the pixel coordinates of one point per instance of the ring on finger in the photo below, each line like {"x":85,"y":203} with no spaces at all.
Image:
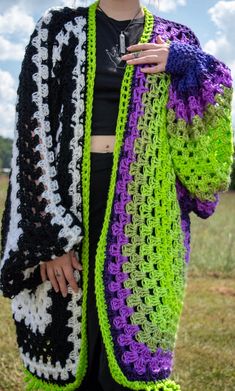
{"x":57,"y":273}
{"x":136,"y":54}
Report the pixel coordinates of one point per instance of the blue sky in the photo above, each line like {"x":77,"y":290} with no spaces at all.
{"x":212,"y":21}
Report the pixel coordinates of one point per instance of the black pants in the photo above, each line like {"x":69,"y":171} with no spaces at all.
{"x":98,"y":373}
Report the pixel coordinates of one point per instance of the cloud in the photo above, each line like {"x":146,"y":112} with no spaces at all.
{"x":16,"y":20}
{"x":15,"y":28}
{"x":162,"y":5}
{"x":219,"y":47}
{"x":223,"y":16}
{"x":223,"y":11}
{"x":28,"y":5}
{"x":7,"y":104}
{"x":166,"y":5}
{"x":10,"y":50}
{"x":7,"y":86}
{"x":75,"y":3}
{"x":39,"y":7}
{"x":223,"y":46}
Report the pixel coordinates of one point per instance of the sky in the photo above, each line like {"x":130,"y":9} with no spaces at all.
{"x":211,"y":20}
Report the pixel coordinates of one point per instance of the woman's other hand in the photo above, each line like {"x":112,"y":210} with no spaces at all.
{"x":150,"y":53}
{"x":61,"y":269}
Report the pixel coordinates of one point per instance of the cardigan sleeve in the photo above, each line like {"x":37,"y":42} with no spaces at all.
{"x":189,"y":203}
{"x":199,"y":121}
{"x":36,"y":225}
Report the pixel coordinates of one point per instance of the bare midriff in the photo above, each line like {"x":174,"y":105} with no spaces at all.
{"x":102,"y":144}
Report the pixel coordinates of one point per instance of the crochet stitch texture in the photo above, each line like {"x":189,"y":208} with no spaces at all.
{"x":172,"y":156}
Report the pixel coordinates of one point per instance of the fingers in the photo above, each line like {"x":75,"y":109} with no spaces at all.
{"x":60,"y":272}
{"x":61,"y":279}
{"x":144,"y":59}
{"x":43,"y":271}
{"x":51,"y":276}
{"x":75,"y":262}
{"x":157,"y":66}
{"x":143,"y":46}
{"x":159,"y":39}
{"x":158,"y":56}
{"x":142,"y":54}
{"x":71,"y":279}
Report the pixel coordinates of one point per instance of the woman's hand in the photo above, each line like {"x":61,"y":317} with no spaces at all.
{"x":154,"y":53}
{"x":59,"y":270}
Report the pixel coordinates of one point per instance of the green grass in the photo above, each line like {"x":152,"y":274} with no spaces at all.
{"x":3,"y":190}
{"x":204,"y":353}
{"x":213,"y":240}
{"x":206,"y":338}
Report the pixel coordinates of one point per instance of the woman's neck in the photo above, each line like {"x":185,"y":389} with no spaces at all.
{"x":121,"y":9}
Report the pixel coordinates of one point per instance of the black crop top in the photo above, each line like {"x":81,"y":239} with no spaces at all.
{"x":110,"y":70}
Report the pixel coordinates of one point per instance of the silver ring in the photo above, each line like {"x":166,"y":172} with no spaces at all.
{"x":57,"y":274}
{"x":136,"y":54}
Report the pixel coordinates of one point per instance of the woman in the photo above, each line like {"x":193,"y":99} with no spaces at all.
{"x":111,"y":154}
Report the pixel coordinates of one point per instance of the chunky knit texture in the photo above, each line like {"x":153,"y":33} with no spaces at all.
{"x":172,"y":156}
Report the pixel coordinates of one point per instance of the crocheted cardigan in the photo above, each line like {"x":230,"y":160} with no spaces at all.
{"x":173,"y":155}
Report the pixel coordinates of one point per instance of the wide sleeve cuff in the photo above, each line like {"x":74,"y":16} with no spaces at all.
{"x":199,"y":120}
{"x":188,"y":203}
{"x":181,"y":58}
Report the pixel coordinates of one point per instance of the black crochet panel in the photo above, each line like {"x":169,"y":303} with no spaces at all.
{"x":39,"y":238}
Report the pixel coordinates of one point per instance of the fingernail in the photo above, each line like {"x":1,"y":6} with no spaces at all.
{"x":64,"y":294}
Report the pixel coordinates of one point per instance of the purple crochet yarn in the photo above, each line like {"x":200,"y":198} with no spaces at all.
{"x":196,"y":78}
{"x":138,"y":363}
{"x":188,"y":204}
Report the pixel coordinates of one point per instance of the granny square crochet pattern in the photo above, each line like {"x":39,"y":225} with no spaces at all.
{"x":172,"y":156}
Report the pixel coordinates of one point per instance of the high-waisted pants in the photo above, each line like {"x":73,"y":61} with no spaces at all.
{"x":98,"y":372}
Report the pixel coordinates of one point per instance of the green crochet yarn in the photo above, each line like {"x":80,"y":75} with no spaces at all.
{"x":151,"y":130}
{"x":202,"y":152}
{"x":143,"y":248}
{"x":115,"y":370}
{"x":150,"y":266}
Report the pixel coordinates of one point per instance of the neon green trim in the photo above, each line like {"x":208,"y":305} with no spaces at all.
{"x":33,"y":382}
{"x":125,"y":96}
{"x":166,"y":384}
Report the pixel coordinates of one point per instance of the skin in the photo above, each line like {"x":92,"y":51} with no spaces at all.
{"x":155,"y":54}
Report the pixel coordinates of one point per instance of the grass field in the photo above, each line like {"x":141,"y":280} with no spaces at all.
{"x":205,"y":348}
